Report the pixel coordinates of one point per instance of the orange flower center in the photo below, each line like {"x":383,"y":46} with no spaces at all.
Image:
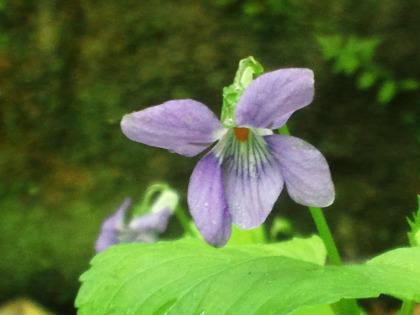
{"x":241,"y":134}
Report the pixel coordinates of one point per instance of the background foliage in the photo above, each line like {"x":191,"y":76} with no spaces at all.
{"x":69,"y":70}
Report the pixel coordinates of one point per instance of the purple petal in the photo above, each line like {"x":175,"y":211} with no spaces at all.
{"x":253,"y":182}
{"x":156,"y":222}
{"x":111,"y":227}
{"x":186,"y":127}
{"x":207,"y":201}
{"x":271,"y":99}
{"x":305,"y":170}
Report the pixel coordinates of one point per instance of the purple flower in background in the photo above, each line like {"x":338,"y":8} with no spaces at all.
{"x":242,"y":176}
{"x":142,"y":229}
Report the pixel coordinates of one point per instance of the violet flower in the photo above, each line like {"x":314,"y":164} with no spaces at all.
{"x":142,"y":229}
{"x":241,"y":177}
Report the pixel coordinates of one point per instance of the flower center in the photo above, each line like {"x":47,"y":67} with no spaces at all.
{"x":241,"y":134}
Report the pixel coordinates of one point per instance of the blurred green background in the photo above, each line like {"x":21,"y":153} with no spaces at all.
{"x":69,"y":70}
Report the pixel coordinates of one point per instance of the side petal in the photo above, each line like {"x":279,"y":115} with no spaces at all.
{"x":111,"y":227}
{"x":252,"y":179}
{"x":155,"y":221}
{"x":271,"y":99}
{"x":207,"y":201}
{"x":305,"y":170}
{"x":186,"y":127}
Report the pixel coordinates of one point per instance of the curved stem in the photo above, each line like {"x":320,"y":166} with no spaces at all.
{"x":144,"y":205}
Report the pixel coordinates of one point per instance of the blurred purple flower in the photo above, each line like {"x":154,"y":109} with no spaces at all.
{"x":142,"y":229}
{"x":242,"y":176}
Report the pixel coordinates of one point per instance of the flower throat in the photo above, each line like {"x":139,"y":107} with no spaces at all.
{"x":241,"y":134}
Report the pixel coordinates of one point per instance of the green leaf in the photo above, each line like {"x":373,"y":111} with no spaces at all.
{"x":346,"y":63}
{"x":253,"y":9}
{"x":409,"y":85}
{"x":387,"y":92}
{"x":2,"y":4}
{"x":363,"y":48}
{"x":331,"y":45}
{"x":318,"y":310}
{"x":366,"y":80}
{"x":4,"y":40}
{"x":190,"y":277}
{"x":414,"y":234}
{"x":306,"y":249}
{"x":350,"y":54}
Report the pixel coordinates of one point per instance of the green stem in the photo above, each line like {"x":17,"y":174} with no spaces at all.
{"x":185,"y":222}
{"x":326,"y":236}
{"x":348,"y":307}
{"x":407,"y":308}
{"x":343,"y":306}
{"x":321,"y":223}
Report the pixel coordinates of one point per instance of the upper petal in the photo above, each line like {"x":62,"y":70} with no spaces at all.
{"x":111,"y":227}
{"x":207,"y":201}
{"x":252,"y":179}
{"x":271,"y":99}
{"x":186,"y":127}
{"x":305,"y":170}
